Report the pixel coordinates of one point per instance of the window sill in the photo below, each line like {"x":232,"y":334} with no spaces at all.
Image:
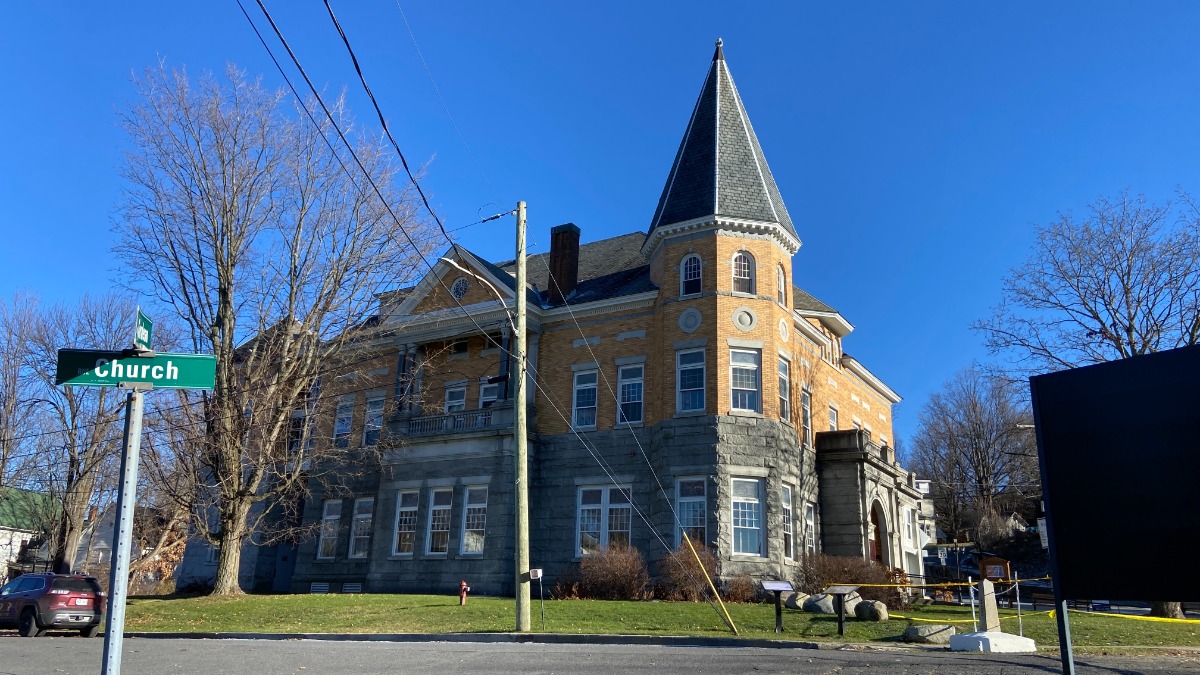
{"x":745,"y":413}
{"x":437,"y":556}
{"x":629,"y":425}
{"x":400,"y":556}
{"x":471,"y":555}
{"x":743,"y":294}
{"x":587,"y":428}
{"x":690,"y":413}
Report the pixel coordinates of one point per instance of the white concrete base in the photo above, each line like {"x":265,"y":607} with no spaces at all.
{"x":993,"y":642}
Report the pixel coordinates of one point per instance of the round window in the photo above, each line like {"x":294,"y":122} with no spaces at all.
{"x":459,"y":288}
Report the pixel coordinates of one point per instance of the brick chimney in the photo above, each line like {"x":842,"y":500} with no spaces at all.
{"x":564,"y":261}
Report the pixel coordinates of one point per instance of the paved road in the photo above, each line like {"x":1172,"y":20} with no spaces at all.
{"x":74,"y":655}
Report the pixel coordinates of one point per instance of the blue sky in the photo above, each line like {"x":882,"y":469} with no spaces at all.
{"x":915,"y":144}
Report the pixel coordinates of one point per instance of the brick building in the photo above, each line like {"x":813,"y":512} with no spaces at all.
{"x":679,"y":381}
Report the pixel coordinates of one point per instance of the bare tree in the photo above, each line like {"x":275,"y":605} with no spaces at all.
{"x":270,"y":249}
{"x":974,"y":443}
{"x":82,"y":423}
{"x":1121,"y":282}
{"x":16,"y":319}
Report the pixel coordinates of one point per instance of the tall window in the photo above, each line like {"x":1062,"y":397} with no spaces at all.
{"x":744,"y":380}
{"x":781,"y":285}
{"x":488,"y":393}
{"x":743,"y":272}
{"x":689,"y":276}
{"x":373,"y":419}
{"x":584,"y":409}
{"x":785,"y":500}
{"x":360,"y":528}
{"x":300,"y":433}
{"x":629,"y":383}
{"x":406,"y":523}
{"x":810,"y":528}
{"x":785,"y":390}
{"x":439,"y":520}
{"x":342,"y":421}
{"x":806,"y":416}
{"x":689,"y":368}
{"x":833,"y":422}
{"x":475,"y":520}
{"x":909,"y":534}
{"x":456,"y":398}
{"x":747,"y":517}
{"x":604,"y":517}
{"x":691,"y":504}
{"x":331,"y":519}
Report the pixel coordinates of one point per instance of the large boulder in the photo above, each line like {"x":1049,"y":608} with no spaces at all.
{"x":871,"y":610}
{"x":819,"y":603}
{"x":930,"y":633}
{"x":794,"y":600}
{"x":852,"y":601}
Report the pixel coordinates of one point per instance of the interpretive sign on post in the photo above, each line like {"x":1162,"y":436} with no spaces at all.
{"x":137,"y":370}
{"x":97,"y":368}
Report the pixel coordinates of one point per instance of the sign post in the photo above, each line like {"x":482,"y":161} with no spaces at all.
{"x":778,"y":587}
{"x":137,"y":371}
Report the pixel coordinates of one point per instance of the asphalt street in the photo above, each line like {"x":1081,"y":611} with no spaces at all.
{"x":74,"y":655}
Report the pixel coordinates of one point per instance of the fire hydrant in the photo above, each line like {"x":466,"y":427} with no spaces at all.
{"x":463,"y":589}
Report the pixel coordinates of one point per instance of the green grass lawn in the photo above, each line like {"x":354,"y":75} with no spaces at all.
{"x":441,"y":614}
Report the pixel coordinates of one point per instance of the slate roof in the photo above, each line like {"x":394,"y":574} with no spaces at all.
{"x":803,"y":301}
{"x":608,"y":268}
{"x":720,"y":168}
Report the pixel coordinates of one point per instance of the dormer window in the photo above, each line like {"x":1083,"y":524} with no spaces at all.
{"x":743,"y":272}
{"x":689,"y":275}
{"x":781,"y":286}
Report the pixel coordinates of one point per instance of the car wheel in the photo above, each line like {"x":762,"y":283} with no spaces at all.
{"x":29,"y":626}
{"x":90,"y":631}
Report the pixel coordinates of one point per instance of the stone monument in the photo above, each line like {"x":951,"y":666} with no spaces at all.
{"x":991,"y":638}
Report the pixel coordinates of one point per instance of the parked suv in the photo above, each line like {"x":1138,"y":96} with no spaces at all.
{"x":36,"y":603}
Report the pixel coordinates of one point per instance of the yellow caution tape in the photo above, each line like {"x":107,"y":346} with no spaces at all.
{"x":1011,"y":616}
{"x":1135,"y":617}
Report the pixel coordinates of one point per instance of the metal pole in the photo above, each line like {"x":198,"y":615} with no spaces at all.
{"x":971,"y":586}
{"x":520,"y":452}
{"x":542,"y":600}
{"x":1020,"y":621}
{"x":118,"y":579}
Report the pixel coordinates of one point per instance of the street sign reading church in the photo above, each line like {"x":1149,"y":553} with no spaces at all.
{"x":98,"y":368}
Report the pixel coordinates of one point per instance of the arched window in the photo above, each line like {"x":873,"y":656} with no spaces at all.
{"x":781,"y":286}
{"x":743,"y":272}
{"x":689,"y":275}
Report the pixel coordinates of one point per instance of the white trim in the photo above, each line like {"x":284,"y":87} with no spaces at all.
{"x":859,"y":370}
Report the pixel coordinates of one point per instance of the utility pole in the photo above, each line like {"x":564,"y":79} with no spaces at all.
{"x":520,"y":468}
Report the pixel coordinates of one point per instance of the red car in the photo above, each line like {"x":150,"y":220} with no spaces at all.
{"x":36,"y":603}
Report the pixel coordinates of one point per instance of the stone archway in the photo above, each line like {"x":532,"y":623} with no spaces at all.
{"x":878,"y":537}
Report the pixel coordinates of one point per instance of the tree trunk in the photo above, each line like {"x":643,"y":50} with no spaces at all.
{"x":229,"y":558}
{"x":1168,"y":610}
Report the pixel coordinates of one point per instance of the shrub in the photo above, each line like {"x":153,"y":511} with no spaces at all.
{"x":680,"y":577}
{"x":614,"y":573}
{"x":741,"y":589}
{"x":819,"y":571}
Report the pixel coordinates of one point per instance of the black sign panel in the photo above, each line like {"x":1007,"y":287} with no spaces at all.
{"x":1120,"y":452}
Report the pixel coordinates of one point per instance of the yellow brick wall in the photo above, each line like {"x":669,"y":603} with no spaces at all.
{"x":358,"y":374}
{"x":442,"y":367}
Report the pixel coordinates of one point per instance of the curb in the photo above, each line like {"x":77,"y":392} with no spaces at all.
{"x":516,"y":638}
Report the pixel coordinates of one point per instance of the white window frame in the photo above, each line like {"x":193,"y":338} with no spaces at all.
{"x":409,"y":512}
{"x":679,"y":371}
{"x":373,"y":418}
{"x":331,"y":525}
{"x":456,"y":398}
{"x":489,"y":393}
{"x":302,"y":422}
{"x":613,"y":499}
{"x":632,"y":390}
{"x":786,"y":493}
{"x":439,"y":512}
{"x":749,"y":267}
{"x":810,"y":528}
{"x":909,"y":525}
{"x":781,"y":282}
{"x":684,"y":277}
{"x":474,"y":510}
{"x":363,"y":518}
{"x":785,"y":390}
{"x":746,"y":515}
{"x":688,"y":503}
{"x":833,"y":418}
{"x":578,"y":389}
{"x":806,"y":423}
{"x":756,"y":367}
{"x":343,"y":421}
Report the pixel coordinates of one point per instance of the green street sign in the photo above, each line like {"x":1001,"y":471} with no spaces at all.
{"x":142,"y":331}
{"x":98,"y":368}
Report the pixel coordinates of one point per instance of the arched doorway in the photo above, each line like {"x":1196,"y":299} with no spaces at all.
{"x":878,"y":536}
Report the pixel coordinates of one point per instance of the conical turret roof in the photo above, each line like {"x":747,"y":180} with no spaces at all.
{"x":720,"y":169}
